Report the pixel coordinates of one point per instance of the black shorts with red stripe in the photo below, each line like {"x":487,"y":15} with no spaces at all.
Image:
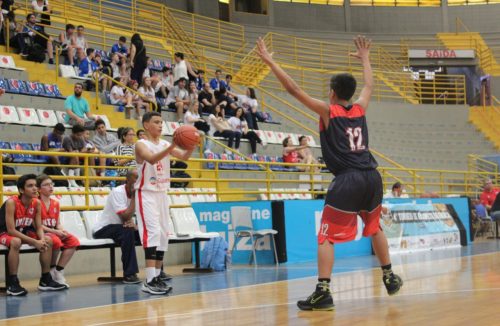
{"x":352,"y":193}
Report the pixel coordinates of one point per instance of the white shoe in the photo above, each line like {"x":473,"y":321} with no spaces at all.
{"x":264,"y":144}
{"x":58,"y":276}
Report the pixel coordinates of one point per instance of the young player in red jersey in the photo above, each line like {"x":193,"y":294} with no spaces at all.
{"x":61,"y":239}
{"x":357,"y":187}
{"x":20,"y":222}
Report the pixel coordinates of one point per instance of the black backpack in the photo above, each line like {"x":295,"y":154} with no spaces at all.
{"x":36,"y":53}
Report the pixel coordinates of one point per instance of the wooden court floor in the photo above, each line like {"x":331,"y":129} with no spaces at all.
{"x":449,"y":291}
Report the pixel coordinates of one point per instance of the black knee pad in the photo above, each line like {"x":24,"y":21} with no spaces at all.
{"x":150,"y":253}
{"x":159,"y":255}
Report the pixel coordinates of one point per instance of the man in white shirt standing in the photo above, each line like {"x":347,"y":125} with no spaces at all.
{"x":116,"y":223}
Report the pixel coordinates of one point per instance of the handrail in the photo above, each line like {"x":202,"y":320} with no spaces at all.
{"x":459,"y":23}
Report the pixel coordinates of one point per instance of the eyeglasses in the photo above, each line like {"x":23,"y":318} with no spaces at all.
{"x":47,"y":184}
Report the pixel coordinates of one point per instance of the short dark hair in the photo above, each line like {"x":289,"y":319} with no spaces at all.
{"x":70,"y":26}
{"x":229,"y":76}
{"x":139,"y":131}
{"x":78,"y":84}
{"x":28,"y":16}
{"x":183,"y":79}
{"x":397,"y":185}
{"x":201,"y":71}
{"x":252,"y":93}
{"x":301,"y":137}
{"x":179,"y":55}
{"x":122,"y":39}
{"x":218,"y":71}
{"x":41,"y":178}
{"x":21,"y":182}
{"x":285,"y":141}
{"x":123,"y":132}
{"x":344,"y":86}
{"x":149,"y":115}
{"x":80,"y":26}
{"x":59,"y":127}
{"x":77,"y":128}
{"x":98,"y":123}
{"x":89,"y":51}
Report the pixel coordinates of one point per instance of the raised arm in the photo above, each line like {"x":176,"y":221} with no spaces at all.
{"x":320,"y":107}
{"x":363,"y":54}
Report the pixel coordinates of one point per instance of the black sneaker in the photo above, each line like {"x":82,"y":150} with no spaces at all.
{"x":131,"y":279}
{"x":16,"y":289}
{"x":392,"y":283}
{"x":154,"y":287}
{"x":163,"y":285}
{"x":164,"y":276}
{"x":320,"y":300}
{"x":50,"y":285}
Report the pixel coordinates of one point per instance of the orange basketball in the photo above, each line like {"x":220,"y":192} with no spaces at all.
{"x":186,"y":137}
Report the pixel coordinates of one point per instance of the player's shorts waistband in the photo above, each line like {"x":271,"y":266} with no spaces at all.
{"x":352,"y":171}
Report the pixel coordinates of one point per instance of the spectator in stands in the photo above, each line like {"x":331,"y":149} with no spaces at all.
{"x":77,"y":109}
{"x":227,"y":83}
{"x":61,"y":239}
{"x":495,"y":211}
{"x":148,"y":94}
{"x":182,"y":69}
{"x":224,"y":99}
{"x":68,"y":50}
{"x":73,"y":144}
{"x":193,"y":91}
{"x":178,"y":99}
{"x":91,"y":148}
{"x":138,"y":60}
{"x":206,"y":98}
{"x":15,"y":29}
{"x":37,"y":36}
{"x":250,"y":104}
{"x":397,"y":191}
{"x":116,"y":71}
{"x":79,"y":42}
{"x":200,"y":80}
{"x":116,"y":222}
{"x":141,"y":134}
{"x":117,"y":96}
{"x":291,"y":154}
{"x":192,"y":118}
{"x":41,"y":8}
{"x":87,"y":65}
{"x":239,"y":125}
{"x":103,"y":69}
{"x":217,"y":82}
{"x":489,"y":194}
{"x":167,"y":81}
{"x":306,"y":154}
{"x":126,"y":148}
{"x":219,"y":127}
{"x":105,"y":142}
{"x":52,"y":142}
{"x":119,"y":48}
{"x":20,"y":222}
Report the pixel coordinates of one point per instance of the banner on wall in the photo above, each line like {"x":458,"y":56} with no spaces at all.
{"x":216,"y":217}
{"x":412,"y":227}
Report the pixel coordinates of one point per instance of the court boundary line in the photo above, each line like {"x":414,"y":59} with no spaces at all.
{"x":211,"y":291}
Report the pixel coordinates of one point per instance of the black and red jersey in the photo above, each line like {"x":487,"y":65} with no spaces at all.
{"x":344,"y":142}
{"x":24,"y":216}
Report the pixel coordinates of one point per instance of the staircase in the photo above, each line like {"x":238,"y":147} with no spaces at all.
{"x":487,"y":120}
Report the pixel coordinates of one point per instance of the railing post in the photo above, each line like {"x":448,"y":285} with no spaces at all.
{"x":7,"y":30}
{"x":96,"y":78}
{"x":86,"y":182}
{"x":414,"y":181}
{"x":441,"y":182}
{"x":217,"y":187}
{"x":268,"y":181}
{"x":57,"y":64}
{"x":1,"y":177}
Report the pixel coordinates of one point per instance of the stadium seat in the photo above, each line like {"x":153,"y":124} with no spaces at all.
{"x":254,"y":167}
{"x":27,"y":157}
{"x":262,"y":135}
{"x":90,"y":219}
{"x":4,"y":85}
{"x":64,"y":200}
{"x":179,"y":196}
{"x":172,"y":126}
{"x":280,"y":136}
{"x":195,"y":198}
{"x":47,"y":118}
{"x":100,"y":199}
{"x":186,"y":223}
{"x":311,"y":141}
{"x":226,"y":166}
{"x":9,"y":191}
{"x":271,"y":137}
{"x":18,"y":157}
{"x":79,"y":200}
{"x":35,"y":89}
{"x":73,"y":223}
{"x":7,"y":62}
{"x":68,"y":71}
{"x":275,"y":159}
{"x":239,"y":166}
{"x":9,"y":115}
{"x":263,"y":194}
{"x":211,"y":197}
{"x":28,"y":116}
{"x":211,"y":156}
{"x":171,"y":229}
{"x":52,"y":91}
{"x":61,"y":118}
{"x":16,"y":86}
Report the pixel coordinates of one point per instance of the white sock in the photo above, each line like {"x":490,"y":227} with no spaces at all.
{"x":158,"y":271}
{"x":150,"y":274}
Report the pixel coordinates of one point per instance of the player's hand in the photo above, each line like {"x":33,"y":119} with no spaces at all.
{"x":41,"y":245}
{"x":263,"y":53}
{"x":63,"y":234}
{"x":363,"y":47}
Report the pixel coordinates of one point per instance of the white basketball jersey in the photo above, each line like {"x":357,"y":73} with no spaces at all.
{"x":154,"y":177}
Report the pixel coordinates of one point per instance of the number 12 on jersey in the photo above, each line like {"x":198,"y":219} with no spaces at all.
{"x":355,"y":139}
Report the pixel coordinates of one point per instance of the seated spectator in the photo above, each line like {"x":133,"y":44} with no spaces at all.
{"x":291,"y":154}
{"x":148,"y":95}
{"x":217,"y":82}
{"x":219,"y":127}
{"x":222,"y":98}
{"x":15,"y":30}
{"x":227,"y":83}
{"x":87,"y":65}
{"x":116,"y":222}
{"x":126,"y":148}
{"x":193,"y":92}
{"x":200,"y":80}
{"x":103,"y":69}
{"x":206,"y":98}
{"x":141,"y":134}
{"x":239,"y":125}
{"x":68,"y":50}
{"x":105,"y":142}
{"x":182,"y":69}
{"x":20,"y":222}
{"x":115,"y":67}
{"x":133,"y":91}
{"x":495,"y":212}
{"x":117,"y":96}
{"x":250,"y":104}
{"x":79,"y":42}
{"x":119,"y":48}
{"x":61,"y":239}
{"x":489,"y":194}
{"x":40,"y":8}
{"x":192,"y":118}
{"x":36,"y":35}
{"x":397,"y":191}
{"x":52,"y":142}
{"x":74,"y":143}
{"x":306,"y":154}
{"x":91,"y":148}
{"x":77,"y":109}
{"x":178,"y":99}
{"x":167,"y":81}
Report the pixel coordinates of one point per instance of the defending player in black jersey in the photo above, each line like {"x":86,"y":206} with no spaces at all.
{"x":357,"y":188}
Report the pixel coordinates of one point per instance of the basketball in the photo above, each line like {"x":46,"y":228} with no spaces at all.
{"x":186,"y":137}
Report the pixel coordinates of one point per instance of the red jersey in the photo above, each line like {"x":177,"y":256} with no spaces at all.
{"x":24,"y":216}
{"x":291,"y":157}
{"x":50,"y":215}
{"x":487,"y":198}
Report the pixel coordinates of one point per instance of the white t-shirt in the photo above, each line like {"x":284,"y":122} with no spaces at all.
{"x":180,"y":71}
{"x":211,"y":123}
{"x":237,"y":124}
{"x":38,"y":9}
{"x":247,"y":102}
{"x":117,"y":202}
{"x":154,"y":177}
{"x":116,"y":91}
{"x":183,"y":94}
{"x":116,"y":70}
{"x":147,"y":93}
{"x":190,"y":115}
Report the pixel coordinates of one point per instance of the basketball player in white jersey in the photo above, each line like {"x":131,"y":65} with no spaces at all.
{"x":153,"y":167}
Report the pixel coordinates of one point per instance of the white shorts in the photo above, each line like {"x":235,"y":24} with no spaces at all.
{"x":152,"y":212}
